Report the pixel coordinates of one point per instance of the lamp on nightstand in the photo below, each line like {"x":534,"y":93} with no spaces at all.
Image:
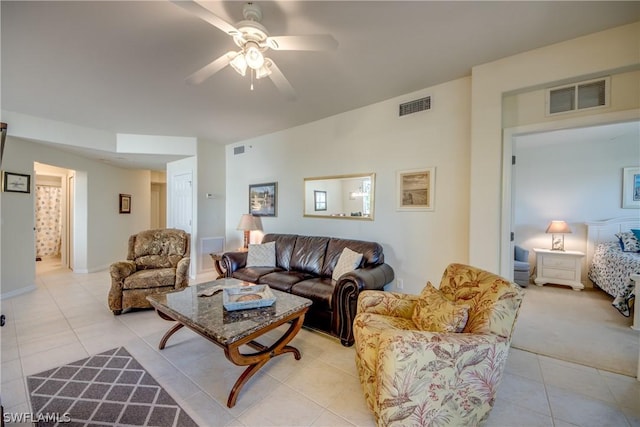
{"x":557,"y":229}
{"x":247,"y":224}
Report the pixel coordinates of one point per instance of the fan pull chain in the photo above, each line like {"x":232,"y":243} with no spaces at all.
{"x":252,"y":79}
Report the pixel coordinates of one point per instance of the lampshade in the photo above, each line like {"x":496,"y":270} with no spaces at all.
{"x":248,"y":223}
{"x":253,"y":56}
{"x":264,"y":71}
{"x":239,"y":63}
{"x":558,"y":227}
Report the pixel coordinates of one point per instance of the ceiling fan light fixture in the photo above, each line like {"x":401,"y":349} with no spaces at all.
{"x":239,"y":63}
{"x":253,"y":55}
{"x":264,"y":71}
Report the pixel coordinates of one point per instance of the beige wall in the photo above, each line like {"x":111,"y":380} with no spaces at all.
{"x":529,"y":107}
{"x":418,"y":245}
{"x":601,"y":53}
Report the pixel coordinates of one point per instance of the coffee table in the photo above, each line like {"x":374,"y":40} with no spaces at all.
{"x":233,"y":329}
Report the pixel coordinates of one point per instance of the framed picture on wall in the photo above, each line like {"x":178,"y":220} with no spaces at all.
{"x":263,"y":199}
{"x":16,"y":182}
{"x":416,"y":189}
{"x":125,"y":203}
{"x":631,"y":188}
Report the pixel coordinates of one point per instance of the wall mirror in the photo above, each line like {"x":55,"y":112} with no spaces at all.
{"x":340,"y":196}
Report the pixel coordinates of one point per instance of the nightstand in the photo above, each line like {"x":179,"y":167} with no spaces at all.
{"x":559,"y":267}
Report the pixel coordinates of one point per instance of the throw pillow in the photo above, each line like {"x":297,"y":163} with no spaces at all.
{"x":349,"y":260}
{"x":263,"y":255}
{"x":636,"y":233}
{"x":628,"y":241}
{"x":435,"y":313}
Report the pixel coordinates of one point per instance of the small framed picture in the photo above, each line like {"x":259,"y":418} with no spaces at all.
{"x":16,"y":182}
{"x":416,"y":189}
{"x":125,"y":203}
{"x":631,"y":188}
{"x":263,"y":199}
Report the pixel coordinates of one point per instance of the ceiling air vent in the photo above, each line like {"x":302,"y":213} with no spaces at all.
{"x":411,"y":107}
{"x":238,"y":150}
{"x":578,"y":96}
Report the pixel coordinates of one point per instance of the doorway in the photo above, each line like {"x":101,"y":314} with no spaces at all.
{"x":53,"y":217}
{"x":511,"y":137}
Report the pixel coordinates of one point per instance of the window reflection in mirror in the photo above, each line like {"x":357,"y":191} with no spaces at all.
{"x":341,"y":196}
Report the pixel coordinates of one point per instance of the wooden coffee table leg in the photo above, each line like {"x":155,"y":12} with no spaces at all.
{"x":175,"y":328}
{"x":255,"y":361}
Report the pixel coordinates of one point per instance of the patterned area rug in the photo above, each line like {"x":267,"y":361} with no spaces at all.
{"x":110,"y":388}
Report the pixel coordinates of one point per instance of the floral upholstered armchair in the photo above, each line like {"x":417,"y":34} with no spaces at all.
{"x":157,"y":261}
{"x":436,"y":359}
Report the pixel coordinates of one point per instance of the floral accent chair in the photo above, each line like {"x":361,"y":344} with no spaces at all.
{"x":157,"y":261}
{"x":436,"y":359}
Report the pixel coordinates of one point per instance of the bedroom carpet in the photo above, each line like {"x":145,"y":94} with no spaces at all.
{"x":580,"y":327}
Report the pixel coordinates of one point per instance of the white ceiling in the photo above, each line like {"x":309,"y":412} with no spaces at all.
{"x":120,"y":66}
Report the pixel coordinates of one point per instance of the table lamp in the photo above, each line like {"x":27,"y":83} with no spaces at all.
{"x":557,"y":229}
{"x":247,"y":224}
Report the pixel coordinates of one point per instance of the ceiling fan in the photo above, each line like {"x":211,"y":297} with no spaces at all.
{"x":253,"y":42}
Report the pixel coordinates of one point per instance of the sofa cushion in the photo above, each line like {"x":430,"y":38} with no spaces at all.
{"x":319,"y":290}
{"x":371,"y":253}
{"x":263,"y":255}
{"x":253,"y":274}
{"x":144,"y":279}
{"x":284,"y":248}
{"x":348,"y":261}
{"x":308,"y":254}
{"x":435,"y":313}
{"x":283,"y":280}
{"x":163,"y":242}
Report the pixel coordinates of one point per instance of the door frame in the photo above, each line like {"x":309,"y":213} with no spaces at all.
{"x":509,"y":136}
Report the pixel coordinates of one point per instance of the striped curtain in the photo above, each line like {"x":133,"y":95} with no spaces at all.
{"x":48,"y":220}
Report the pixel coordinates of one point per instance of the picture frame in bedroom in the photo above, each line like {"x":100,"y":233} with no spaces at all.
{"x":631,"y":188}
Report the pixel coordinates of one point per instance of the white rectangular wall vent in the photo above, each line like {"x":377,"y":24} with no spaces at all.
{"x":578,"y":96}
{"x":411,"y":107}
{"x":209,"y":245}
{"x":238,"y":150}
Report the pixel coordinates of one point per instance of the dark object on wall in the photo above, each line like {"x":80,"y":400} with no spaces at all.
{"x":125,"y":203}
{"x":3,"y":129}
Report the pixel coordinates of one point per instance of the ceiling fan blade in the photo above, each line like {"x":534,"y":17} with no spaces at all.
{"x":206,"y":15}
{"x":281,"y":81}
{"x":317,"y":42}
{"x":210,"y":69}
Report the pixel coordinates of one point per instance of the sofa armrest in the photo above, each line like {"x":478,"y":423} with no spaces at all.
{"x":233,"y":261}
{"x":346,"y":292}
{"x":387,"y":303}
{"x":182,"y":273}
{"x":459,"y":373}
{"x":119,"y":271}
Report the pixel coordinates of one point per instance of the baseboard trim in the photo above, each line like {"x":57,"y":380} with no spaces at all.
{"x":17,"y":292}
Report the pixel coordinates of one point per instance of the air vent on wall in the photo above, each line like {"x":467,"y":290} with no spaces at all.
{"x":411,"y":107}
{"x":238,"y":150}
{"x":578,"y":96}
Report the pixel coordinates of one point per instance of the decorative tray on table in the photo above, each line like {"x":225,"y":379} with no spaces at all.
{"x":245,"y":297}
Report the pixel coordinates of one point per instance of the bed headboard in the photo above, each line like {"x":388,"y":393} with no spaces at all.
{"x":604,"y":231}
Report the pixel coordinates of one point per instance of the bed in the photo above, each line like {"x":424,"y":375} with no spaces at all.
{"x":610,"y":268}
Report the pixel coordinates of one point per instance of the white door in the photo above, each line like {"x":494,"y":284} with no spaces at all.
{"x":182,"y":201}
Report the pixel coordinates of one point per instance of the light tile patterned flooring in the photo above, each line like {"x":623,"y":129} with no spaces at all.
{"x":67,"y":319}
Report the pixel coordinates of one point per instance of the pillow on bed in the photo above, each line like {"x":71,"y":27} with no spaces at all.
{"x":628,"y":241}
{"x":636,"y":233}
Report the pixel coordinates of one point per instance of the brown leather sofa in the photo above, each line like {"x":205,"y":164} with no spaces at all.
{"x":304,"y":266}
